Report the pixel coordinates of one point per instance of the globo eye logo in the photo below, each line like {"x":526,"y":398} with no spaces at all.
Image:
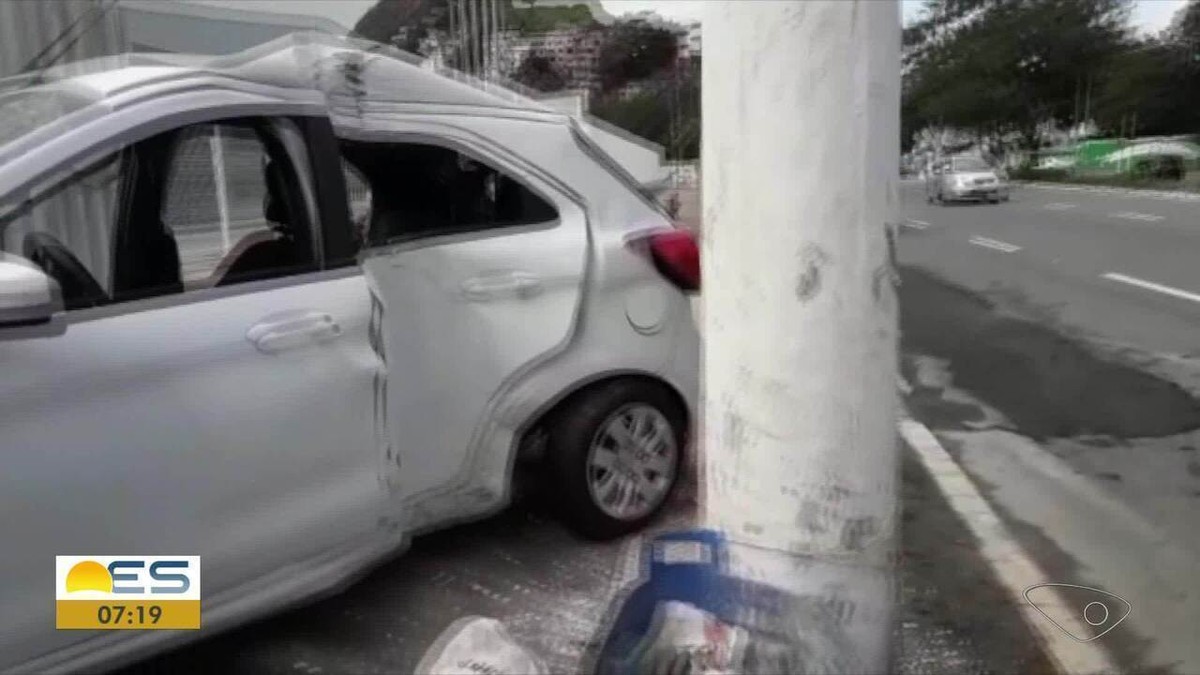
{"x":1082,"y":612}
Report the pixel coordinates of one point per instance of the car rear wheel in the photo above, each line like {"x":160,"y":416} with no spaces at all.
{"x":615,"y":451}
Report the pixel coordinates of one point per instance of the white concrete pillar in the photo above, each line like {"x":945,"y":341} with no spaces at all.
{"x":801,"y":129}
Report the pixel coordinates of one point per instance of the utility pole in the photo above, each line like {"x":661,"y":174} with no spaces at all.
{"x":464,"y":45}
{"x":485,"y":39}
{"x":496,"y":38}
{"x":472,"y":36}
{"x":453,"y":15}
{"x":801,"y":129}
{"x":1087,"y":102}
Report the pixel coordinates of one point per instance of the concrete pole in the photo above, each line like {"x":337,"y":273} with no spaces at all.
{"x":801,"y":128}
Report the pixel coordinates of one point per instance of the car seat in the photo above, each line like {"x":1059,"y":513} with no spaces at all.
{"x":284,"y":251}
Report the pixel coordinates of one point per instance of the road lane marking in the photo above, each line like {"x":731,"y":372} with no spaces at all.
{"x":1134,"y":215}
{"x":1059,"y":206}
{"x":995,"y":244}
{"x":1014,"y":569}
{"x":1151,"y":286}
{"x":915,"y":224}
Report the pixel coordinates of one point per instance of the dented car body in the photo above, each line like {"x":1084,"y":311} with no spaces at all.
{"x":301,"y":304}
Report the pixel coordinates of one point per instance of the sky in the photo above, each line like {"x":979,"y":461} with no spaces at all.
{"x":1148,"y":15}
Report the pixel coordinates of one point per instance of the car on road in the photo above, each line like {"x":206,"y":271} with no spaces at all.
{"x":966,"y":178}
{"x":284,"y":309}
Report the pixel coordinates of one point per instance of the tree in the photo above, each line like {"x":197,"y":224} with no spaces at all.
{"x":666,"y":111}
{"x":538,"y":72}
{"x":1003,"y":67}
{"x":1185,"y":25}
{"x":634,"y":50}
{"x":384,"y":20}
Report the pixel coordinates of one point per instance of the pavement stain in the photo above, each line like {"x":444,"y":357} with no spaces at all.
{"x":953,"y":616}
{"x":1047,"y":384}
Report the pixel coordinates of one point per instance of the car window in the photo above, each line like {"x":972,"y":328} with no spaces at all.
{"x":233,"y":207}
{"x":68,"y":229}
{"x":970,"y":164}
{"x":422,"y":189}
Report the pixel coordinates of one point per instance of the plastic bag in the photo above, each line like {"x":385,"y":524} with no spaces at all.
{"x":478,"y":646}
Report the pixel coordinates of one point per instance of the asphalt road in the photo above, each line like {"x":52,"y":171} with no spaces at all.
{"x":1053,"y":345}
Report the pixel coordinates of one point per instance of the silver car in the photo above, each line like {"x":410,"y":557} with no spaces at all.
{"x":283,"y":310}
{"x":966,"y":178}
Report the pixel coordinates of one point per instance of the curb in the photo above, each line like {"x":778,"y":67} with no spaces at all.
{"x":1014,"y":569}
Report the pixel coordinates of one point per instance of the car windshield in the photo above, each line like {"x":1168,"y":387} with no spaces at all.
{"x":970,"y":164}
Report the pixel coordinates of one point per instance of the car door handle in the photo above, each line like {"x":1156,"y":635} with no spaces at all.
{"x":292,"y":329}
{"x":494,"y":286}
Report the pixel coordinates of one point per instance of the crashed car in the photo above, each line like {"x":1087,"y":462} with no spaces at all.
{"x":283,"y":310}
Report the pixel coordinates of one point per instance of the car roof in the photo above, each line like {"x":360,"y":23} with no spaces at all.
{"x":333,"y":65}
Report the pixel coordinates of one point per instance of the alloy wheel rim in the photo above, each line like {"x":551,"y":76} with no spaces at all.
{"x":631,"y":462}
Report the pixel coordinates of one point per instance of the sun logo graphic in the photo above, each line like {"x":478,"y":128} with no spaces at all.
{"x":127,"y":592}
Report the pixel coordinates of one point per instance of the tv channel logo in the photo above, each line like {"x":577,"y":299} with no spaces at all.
{"x":127,"y":592}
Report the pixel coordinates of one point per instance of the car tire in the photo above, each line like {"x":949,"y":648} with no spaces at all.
{"x":582,"y":425}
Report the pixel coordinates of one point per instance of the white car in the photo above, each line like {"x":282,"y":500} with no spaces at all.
{"x":966,"y":178}
{"x":286,"y":309}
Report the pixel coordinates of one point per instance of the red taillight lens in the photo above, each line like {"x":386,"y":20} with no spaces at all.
{"x":677,"y":258}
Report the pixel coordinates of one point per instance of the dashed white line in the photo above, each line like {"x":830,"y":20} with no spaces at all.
{"x":1015,"y":570}
{"x":1151,"y":286}
{"x":995,"y":244}
{"x":915,"y":224}
{"x":1133,"y":215}
{"x":1059,"y":206}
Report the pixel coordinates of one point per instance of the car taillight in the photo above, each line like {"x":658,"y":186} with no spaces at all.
{"x":677,"y":258}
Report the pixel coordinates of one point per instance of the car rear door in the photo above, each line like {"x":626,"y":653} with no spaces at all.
{"x":478,"y":260}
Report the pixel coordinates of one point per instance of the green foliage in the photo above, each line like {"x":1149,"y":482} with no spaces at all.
{"x":534,"y":19}
{"x":1003,"y":66}
{"x":667,"y":112}
{"x":634,"y":50}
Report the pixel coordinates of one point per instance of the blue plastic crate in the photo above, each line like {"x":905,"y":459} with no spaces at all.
{"x":692,"y":566}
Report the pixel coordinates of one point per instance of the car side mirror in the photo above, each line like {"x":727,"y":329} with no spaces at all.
{"x":28,"y":297}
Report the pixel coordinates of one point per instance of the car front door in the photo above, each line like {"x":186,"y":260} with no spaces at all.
{"x":478,"y":261}
{"x":213,"y":391}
